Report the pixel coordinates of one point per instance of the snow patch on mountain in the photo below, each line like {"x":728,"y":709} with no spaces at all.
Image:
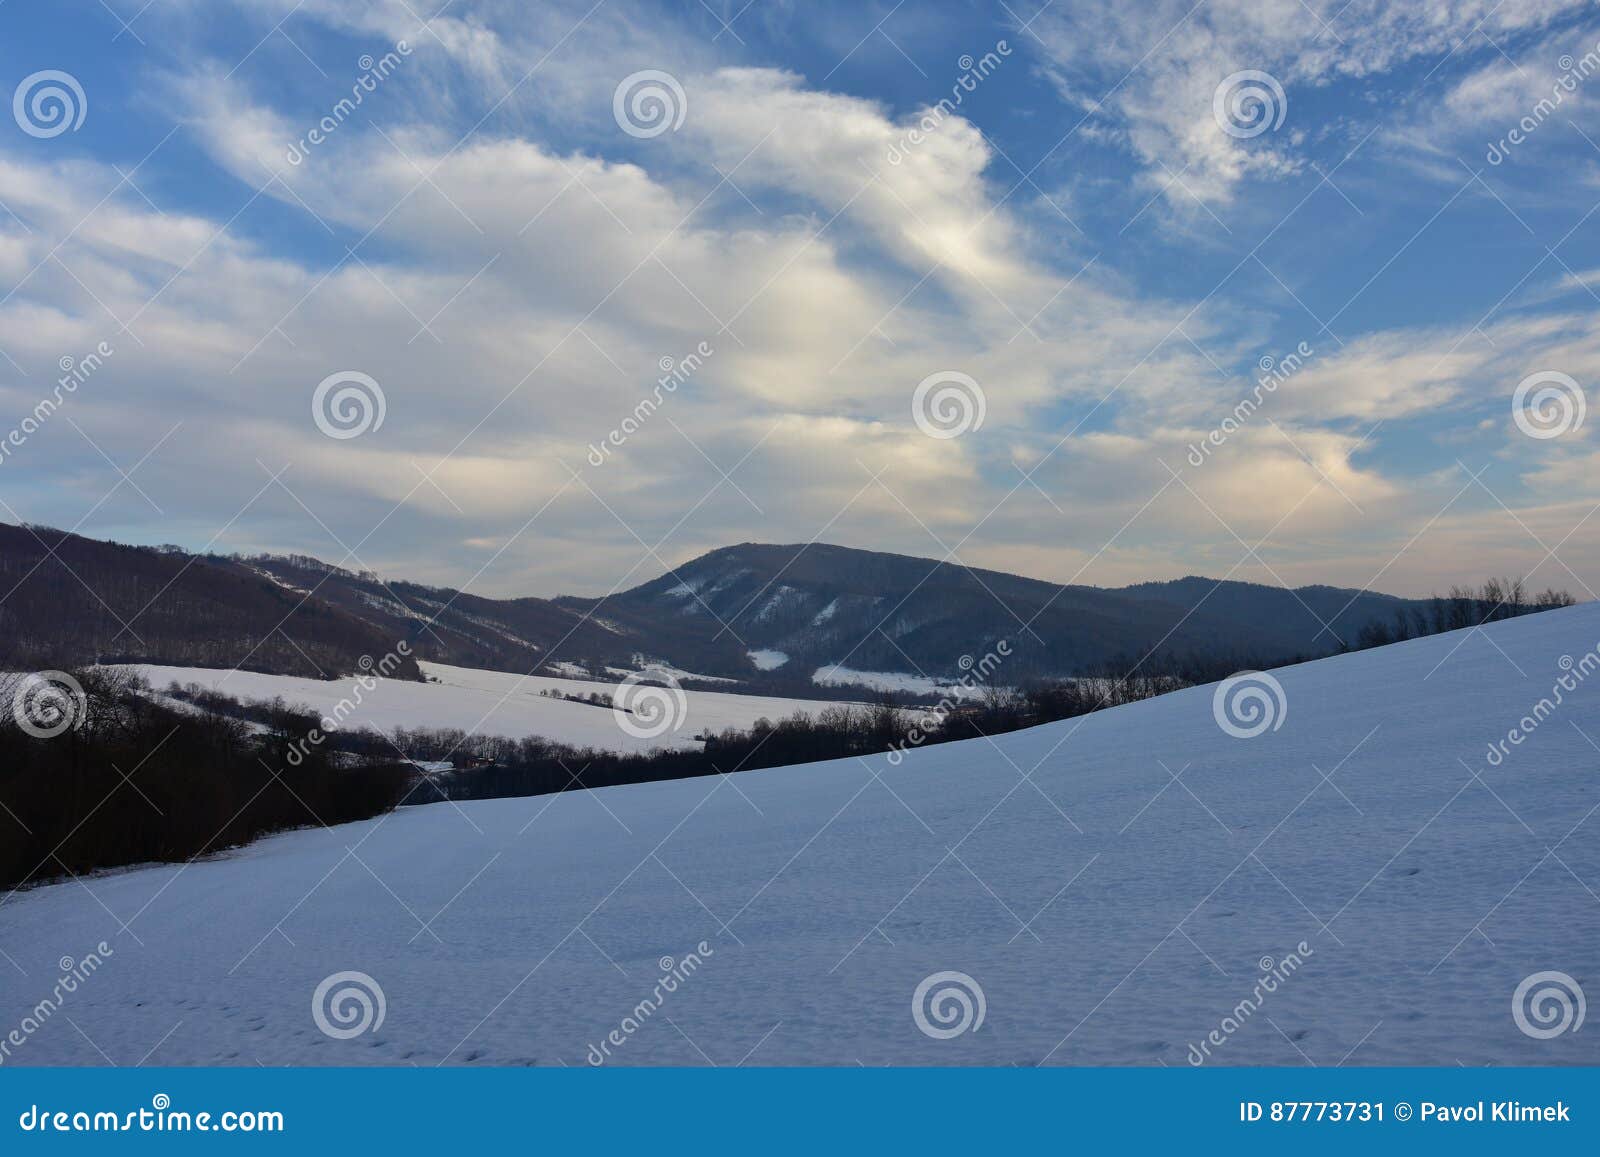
{"x":780,"y":598}
{"x":275,"y":580}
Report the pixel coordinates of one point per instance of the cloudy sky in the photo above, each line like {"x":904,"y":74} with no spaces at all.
{"x":979,"y":281}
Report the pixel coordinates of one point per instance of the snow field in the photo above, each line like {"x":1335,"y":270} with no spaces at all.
{"x":1115,"y":886}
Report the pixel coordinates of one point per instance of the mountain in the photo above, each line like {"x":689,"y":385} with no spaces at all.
{"x":449,"y":626}
{"x":822,"y":605}
{"x":767,"y":616}
{"x":69,"y":600}
{"x":1107,"y":914}
{"x":1315,"y":616}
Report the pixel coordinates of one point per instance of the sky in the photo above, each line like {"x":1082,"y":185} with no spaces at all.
{"x":538,"y":299}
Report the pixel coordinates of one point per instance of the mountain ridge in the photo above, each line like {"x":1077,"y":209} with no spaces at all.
{"x":763,"y":614}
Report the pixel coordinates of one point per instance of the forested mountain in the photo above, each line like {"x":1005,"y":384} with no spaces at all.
{"x":450,"y":626}
{"x":767,"y":616}
{"x":68,"y":600}
{"x":869,"y":611}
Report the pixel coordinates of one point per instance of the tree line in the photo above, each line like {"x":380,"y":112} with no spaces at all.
{"x":1463,"y":607}
{"x":133,"y":780}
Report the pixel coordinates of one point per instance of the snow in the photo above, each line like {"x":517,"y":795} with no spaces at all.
{"x":837,"y":676}
{"x":776,"y":601}
{"x":275,"y":580}
{"x":690,"y":590}
{"x":1111,"y":883}
{"x":393,"y":607}
{"x":768,"y":660}
{"x":642,"y":663}
{"x":826,"y":613}
{"x":488,"y":703}
{"x":663,"y":671}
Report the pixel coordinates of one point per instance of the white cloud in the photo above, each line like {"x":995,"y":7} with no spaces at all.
{"x":1153,"y":69}
{"x":514,"y":295}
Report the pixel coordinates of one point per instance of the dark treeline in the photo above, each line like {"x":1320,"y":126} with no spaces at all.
{"x":135,"y":780}
{"x":1463,"y":607}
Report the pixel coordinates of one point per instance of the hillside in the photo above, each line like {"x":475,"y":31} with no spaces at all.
{"x":868,"y":611}
{"x":69,"y":600}
{"x":1115,"y":885}
{"x":449,"y":626}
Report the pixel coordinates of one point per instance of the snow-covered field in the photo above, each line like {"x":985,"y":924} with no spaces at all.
{"x":837,"y":676}
{"x":1114,"y":885}
{"x":488,"y":703}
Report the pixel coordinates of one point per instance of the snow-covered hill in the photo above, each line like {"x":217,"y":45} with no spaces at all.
{"x":1115,"y":886}
{"x":488,"y":703}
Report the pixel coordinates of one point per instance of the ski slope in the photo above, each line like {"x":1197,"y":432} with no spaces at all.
{"x":1112,"y":884}
{"x":489,"y":703}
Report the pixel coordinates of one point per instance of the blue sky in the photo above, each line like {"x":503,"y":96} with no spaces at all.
{"x":1095,"y":242}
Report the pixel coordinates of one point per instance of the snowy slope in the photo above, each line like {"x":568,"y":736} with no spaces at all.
{"x":489,"y":703}
{"x":1109,"y":912}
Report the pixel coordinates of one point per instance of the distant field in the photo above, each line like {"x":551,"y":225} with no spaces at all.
{"x":488,"y":703}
